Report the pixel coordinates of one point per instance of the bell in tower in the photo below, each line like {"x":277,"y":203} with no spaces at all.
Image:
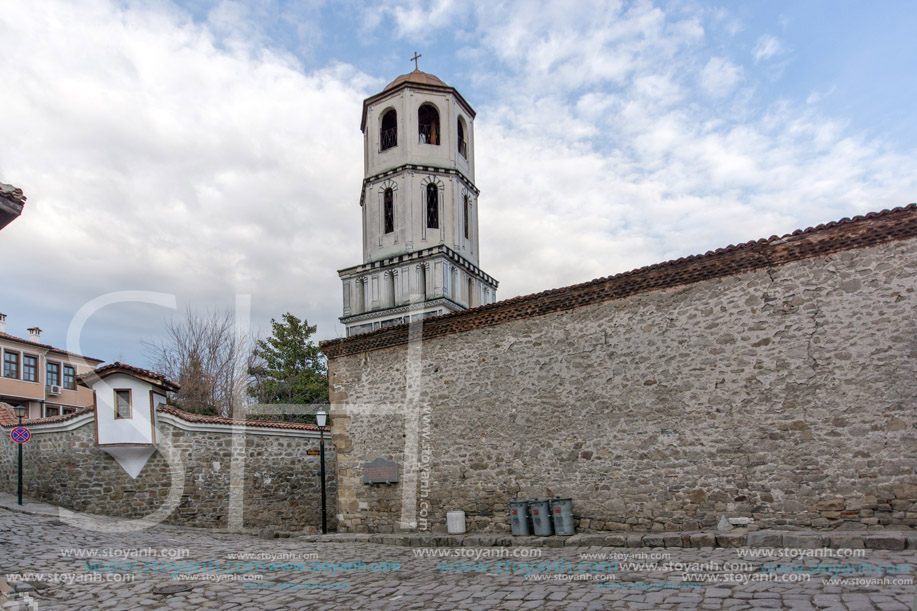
{"x":419,"y":204}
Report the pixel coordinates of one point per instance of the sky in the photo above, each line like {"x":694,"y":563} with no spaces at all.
{"x":207,"y":150}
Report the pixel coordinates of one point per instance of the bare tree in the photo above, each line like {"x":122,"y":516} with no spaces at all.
{"x":204,"y":353}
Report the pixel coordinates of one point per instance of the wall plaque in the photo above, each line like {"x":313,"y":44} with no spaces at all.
{"x":380,"y":471}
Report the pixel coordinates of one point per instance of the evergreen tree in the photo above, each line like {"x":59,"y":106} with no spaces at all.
{"x":292,"y":370}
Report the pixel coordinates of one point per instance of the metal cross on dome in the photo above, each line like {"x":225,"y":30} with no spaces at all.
{"x":414,"y":59}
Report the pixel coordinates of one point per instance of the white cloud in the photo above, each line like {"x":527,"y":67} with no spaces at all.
{"x":720,"y":76}
{"x":766,"y":47}
{"x":154,"y":158}
{"x":421,"y":20}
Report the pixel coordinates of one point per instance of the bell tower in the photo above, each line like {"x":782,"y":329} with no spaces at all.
{"x":419,"y":204}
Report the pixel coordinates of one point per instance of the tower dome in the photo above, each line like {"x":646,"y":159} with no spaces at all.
{"x":416,"y":77}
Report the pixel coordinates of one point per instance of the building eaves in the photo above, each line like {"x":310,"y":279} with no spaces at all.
{"x":48,"y":347}
{"x":200,"y":418}
{"x":8,"y":416}
{"x":157,"y":379}
{"x":846,"y":234}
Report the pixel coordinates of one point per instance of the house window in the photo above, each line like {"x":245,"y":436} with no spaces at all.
{"x":122,"y":403}
{"x":432,"y":206}
{"x":466,"y":212}
{"x":388,"y":206}
{"x":52,"y":410}
{"x":11,"y":365}
{"x":69,"y":377}
{"x":388,"y":134}
{"x":462,"y":145}
{"x":30,"y":368}
{"x":53,"y":374}
{"x":428,"y":124}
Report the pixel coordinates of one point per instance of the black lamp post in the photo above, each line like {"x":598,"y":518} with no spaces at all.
{"x":20,"y":412}
{"x":321,"y":418}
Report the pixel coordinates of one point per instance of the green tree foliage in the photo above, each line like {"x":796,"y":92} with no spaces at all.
{"x":290,"y":368}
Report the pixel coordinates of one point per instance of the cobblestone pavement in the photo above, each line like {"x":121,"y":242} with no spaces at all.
{"x":177,"y":567}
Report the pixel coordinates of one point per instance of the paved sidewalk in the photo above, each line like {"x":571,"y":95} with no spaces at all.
{"x":11,"y":502}
{"x":48,"y":563}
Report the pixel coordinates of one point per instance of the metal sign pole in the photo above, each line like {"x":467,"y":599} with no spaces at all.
{"x":19,"y":491}
{"x":324,"y":515}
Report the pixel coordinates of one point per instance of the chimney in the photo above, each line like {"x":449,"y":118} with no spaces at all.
{"x":35,"y":334}
{"x":2,"y":323}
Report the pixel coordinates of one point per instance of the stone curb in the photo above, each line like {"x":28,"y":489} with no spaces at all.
{"x":885,"y":540}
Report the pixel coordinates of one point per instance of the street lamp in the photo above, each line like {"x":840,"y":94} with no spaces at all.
{"x":20,"y":412}
{"x":321,"y":418}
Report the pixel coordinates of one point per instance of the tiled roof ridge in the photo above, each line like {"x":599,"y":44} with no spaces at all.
{"x":4,"y":335}
{"x":8,"y":418}
{"x":845,"y":234}
{"x":161,"y":381}
{"x":204,"y":419}
{"x":137,"y":370}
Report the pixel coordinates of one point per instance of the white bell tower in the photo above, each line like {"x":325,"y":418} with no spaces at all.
{"x":419,"y":201}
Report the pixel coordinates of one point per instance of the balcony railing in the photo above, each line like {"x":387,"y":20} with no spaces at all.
{"x":389,"y":138}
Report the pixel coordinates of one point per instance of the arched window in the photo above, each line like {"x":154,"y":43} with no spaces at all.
{"x":420,"y":292}
{"x":389,"y":289}
{"x":388,"y":210}
{"x":432,"y":206}
{"x":428,"y":124}
{"x":360,"y":305}
{"x":466,"y":213}
{"x":388,"y":133}
{"x":462,"y":146}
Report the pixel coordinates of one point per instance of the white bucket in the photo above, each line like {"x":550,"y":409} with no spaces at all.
{"x":455,"y":522}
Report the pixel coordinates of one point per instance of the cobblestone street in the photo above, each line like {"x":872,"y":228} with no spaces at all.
{"x":48,"y":565}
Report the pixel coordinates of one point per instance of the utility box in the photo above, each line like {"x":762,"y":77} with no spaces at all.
{"x":562,"y":510}
{"x":519,"y":518}
{"x":541,"y":517}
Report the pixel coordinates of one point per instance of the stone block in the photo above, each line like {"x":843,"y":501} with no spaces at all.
{"x":730,"y":540}
{"x":845,"y":541}
{"x":764,"y":538}
{"x":703,"y":540}
{"x":803,"y":540}
{"x":673,"y":540}
{"x":889,"y":541}
{"x":584,"y":540}
{"x":615,"y":541}
{"x":836,"y":504}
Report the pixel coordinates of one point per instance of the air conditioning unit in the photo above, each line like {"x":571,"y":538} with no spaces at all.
{"x":54,"y":390}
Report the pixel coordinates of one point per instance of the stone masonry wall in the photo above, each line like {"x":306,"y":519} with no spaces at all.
{"x":281,"y":489}
{"x":786,"y":394}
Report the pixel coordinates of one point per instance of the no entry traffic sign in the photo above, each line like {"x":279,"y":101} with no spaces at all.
{"x":20,"y":434}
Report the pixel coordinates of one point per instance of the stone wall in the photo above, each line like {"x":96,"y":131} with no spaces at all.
{"x":785,"y":392}
{"x":281,"y":482}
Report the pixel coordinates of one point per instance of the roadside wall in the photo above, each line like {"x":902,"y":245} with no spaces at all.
{"x":776,"y":380}
{"x":281,"y":485}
